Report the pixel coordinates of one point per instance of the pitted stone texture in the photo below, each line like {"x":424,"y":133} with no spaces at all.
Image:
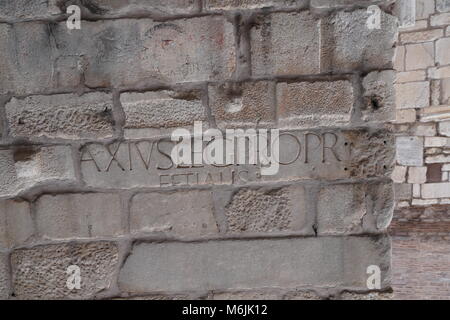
{"x":249,"y":103}
{"x":354,"y":208}
{"x":252,"y":4}
{"x":135,"y":7}
{"x":11,"y":10}
{"x":24,"y":167}
{"x":334,"y":4}
{"x":246,"y":295}
{"x":4,"y":276}
{"x":285,"y":44}
{"x":40,"y":272}
{"x":61,"y":116}
{"x":253,"y":264}
{"x":16,"y":224}
{"x":162,"y":109}
{"x":379,"y":96}
{"x":302,"y":295}
{"x":74,"y":216}
{"x":182,"y":213}
{"x":267,"y":210}
{"x":348,"y":44}
{"x":310,"y":104}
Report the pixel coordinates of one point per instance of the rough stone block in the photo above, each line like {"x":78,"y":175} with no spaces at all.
{"x":435,"y":190}
{"x":354,"y":208}
{"x":340,"y":4}
{"x":399,"y":174}
{"x":4,"y":276}
{"x":246,"y":104}
{"x":24,"y":167}
{"x":73,"y":216}
{"x":443,"y":5}
{"x":406,"y":116}
{"x":61,"y":116}
{"x":252,"y":264}
{"x":379,"y":96}
{"x":41,"y":272}
{"x":444,"y":128}
{"x":417,"y":175}
{"x":421,"y":36}
{"x":13,"y":10}
{"x":442,"y":50}
{"x":108,"y":8}
{"x":269,"y":210}
{"x":348,"y":44}
{"x":412,"y":95}
{"x":181,"y":214}
{"x":410,"y":151}
{"x":411,"y":76}
{"x":309,"y":104}
{"x":162,"y":109}
{"x":419,"y":56}
{"x":442,"y":19}
{"x":16,"y":224}
{"x":251,"y":4}
{"x":285,"y":44}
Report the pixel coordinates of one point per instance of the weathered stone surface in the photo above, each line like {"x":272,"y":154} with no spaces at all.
{"x":367,"y":296}
{"x":12,"y":10}
{"x":4,"y":276}
{"x":442,"y":19}
{"x":285,"y":44}
{"x":269,"y":210}
{"x":252,"y":4}
{"x":246,"y":295}
{"x":16,"y":224}
{"x":349,"y":45}
{"x":442,"y":49}
{"x":412,"y":95}
{"x":402,"y":191}
{"x":120,"y":52}
{"x":419,"y":56}
{"x":71,"y":216}
{"x":107,"y":8}
{"x":334,"y":4}
{"x":181,"y":214}
{"x":61,"y":116}
{"x":443,"y":5}
{"x":379,"y":96}
{"x":308,"y":104}
{"x":323,"y":154}
{"x":444,"y":128}
{"x":24,"y":167}
{"x":162,"y":109}
{"x":40,"y":272}
{"x":422,"y":36}
{"x":435,"y":190}
{"x":246,"y":104}
{"x":410,"y":151}
{"x":354,"y":208}
{"x":251,"y":264}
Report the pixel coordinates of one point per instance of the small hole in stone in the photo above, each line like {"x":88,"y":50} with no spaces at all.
{"x":375,"y":102}
{"x":345,"y":169}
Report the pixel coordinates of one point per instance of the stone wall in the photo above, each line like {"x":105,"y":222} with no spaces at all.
{"x":86,"y":179}
{"x":421,"y":230}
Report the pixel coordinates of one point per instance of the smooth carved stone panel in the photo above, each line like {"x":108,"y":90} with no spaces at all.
{"x":327,"y":155}
{"x":252,"y":264}
{"x":40,"y":272}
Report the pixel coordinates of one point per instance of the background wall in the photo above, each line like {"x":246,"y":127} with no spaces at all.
{"x":85,"y":177}
{"x":421,"y":248}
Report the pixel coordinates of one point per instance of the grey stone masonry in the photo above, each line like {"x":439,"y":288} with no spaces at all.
{"x":89,"y":179}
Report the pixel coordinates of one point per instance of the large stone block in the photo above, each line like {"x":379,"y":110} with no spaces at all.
{"x":412,"y":95}
{"x":269,"y":210}
{"x":252,"y":4}
{"x":379,"y":96}
{"x":41,"y":272}
{"x":310,"y":104}
{"x":108,"y":8}
{"x":16,"y":223}
{"x":251,"y":264}
{"x":74,"y":216}
{"x":181,"y":214}
{"x":13,"y":10}
{"x":354,"y":208}
{"x":24,"y":167}
{"x":61,"y":116}
{"x":162,"y":109}
{"x":4,"y":276}
{"x":410,"y":151}
{"x":348,"y":44}
{"x":285,"y":44}
{"x":328,"y":155}
{"x":246,"y":104}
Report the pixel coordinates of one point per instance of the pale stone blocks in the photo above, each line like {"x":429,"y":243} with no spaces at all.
{"x":410,"y":151}
{"x":442,"y":51}
{"x":399,"y":174}
{"x":419,"y":56}
{"x":436,"y":190}
{"x":412,"y":95}
{"x":417,"y":175}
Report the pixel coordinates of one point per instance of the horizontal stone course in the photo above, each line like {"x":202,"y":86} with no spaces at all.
{"x":69,"y":216}
{"x":62,"y":116}
{"x":244,"y":264}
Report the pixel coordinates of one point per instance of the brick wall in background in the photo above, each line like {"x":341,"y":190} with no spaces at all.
{"x":86,"y":180}
{"x":421,"y":229}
